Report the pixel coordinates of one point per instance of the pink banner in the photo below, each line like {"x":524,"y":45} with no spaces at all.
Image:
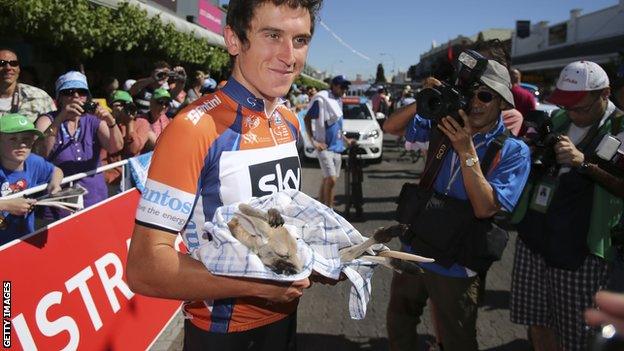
{"x":210,"y":16}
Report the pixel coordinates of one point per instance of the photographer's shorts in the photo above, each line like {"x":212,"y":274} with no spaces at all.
{"x":330,"y":163}
{"x":553,"y":297}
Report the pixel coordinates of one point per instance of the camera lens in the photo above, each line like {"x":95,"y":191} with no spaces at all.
{"x":430,"y":103}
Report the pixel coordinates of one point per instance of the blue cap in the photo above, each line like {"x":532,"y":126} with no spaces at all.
{"x":209,"y":83}
{"x":71,"y":80}
{"x":340,"y":80}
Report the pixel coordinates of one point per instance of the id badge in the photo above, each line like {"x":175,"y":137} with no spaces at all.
{"x":543,"y":195}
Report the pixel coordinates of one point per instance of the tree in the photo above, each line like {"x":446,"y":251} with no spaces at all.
{"x":381,"y":76}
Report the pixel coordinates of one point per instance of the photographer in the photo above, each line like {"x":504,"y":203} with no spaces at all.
{"x":74,"y":136}
{"x":567,"y":212}
{"x":137,"y":134}
{"x":453,"y":218}
{"x":142,"y":89}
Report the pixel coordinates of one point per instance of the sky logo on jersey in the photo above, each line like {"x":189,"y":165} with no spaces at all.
{"x":195,"y":114}
{"x":270,"y":177}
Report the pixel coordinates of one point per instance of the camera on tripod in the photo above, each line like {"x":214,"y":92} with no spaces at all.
{"x":448,"y":98}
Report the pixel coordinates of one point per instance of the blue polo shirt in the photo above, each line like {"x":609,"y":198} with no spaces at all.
{"x":507,"y":178}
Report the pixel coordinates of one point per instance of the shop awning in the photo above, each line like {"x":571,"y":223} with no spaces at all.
{"x":179,"y":23}
{"x":562,"y":62}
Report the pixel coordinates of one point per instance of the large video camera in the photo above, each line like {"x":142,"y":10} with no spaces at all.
{"x":448,"y":98}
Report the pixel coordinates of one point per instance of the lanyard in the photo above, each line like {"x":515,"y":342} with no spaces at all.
{"x":454,"y":172}
{"x":15,"y":100}
{"x":66,"y":132}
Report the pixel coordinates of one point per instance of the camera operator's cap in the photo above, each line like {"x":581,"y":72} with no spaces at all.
{"x":496,"y":77}
{"x":120,"y":95}
{"x":340,"y":80}
{"x":71,"y":80}
{"x":161,"y":93}
{"x":16,"y":123}
{"x":576,"y":80}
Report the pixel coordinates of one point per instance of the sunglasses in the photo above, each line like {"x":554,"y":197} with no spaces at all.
{"x":581,"y":109}
{"x":71,"y":92}
{"x":12,"y":63}
{"x":484,"y":96}
{"x":163,"y":102}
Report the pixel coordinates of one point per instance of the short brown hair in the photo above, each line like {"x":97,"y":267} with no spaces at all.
{"x":240,"y":13}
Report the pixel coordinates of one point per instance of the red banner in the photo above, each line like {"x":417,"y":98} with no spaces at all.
{"x":65,"y":287}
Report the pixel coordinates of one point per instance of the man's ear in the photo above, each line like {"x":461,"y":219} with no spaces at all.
{"x":232,"y":42}
{"x":606,"y":92}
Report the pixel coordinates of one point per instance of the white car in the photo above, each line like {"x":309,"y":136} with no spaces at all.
{"x":360,"y":124}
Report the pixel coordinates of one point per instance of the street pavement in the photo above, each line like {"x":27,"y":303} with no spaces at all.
{"x":323,"y":315}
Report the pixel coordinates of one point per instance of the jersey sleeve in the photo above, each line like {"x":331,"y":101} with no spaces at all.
{"x":173,"y":179}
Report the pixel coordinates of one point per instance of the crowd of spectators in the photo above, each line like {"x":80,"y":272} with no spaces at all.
{"x":75,"y":131}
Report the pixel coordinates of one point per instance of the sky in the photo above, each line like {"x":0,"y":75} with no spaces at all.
{"x":396,"y":32}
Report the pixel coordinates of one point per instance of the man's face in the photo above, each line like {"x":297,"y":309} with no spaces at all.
{"x":278,"y":45}
{"x":485,"y":108}
{"x":15,"y":147}
{"x":161,"y":75}
{"x":339,"y":90}
{"x":589,"y":110}
{"x":8,"y":73}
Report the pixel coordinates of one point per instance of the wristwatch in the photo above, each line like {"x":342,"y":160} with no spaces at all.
{"x":583,"y":168}
{"x":471,"y":161}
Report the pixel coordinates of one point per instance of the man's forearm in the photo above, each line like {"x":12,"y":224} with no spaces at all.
{"x":479,"y":190}
{"x":613,"y":184}
{"x":397,"y":121}
{"x":155,"y":268}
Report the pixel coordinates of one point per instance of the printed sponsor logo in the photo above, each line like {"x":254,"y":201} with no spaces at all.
{"x":251,"y":122}
{"x":163,"y":199}
{"x":277,"y":118}
{"x":195,"y":114}
{"x":270,"y":177}
{"x":251,"y":101}
{"x":250,"y":138}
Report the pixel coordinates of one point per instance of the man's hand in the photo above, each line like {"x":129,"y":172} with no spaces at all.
{"x":610,"y":311}
{"x":18,"y":207}
{"x":318,"y":145}
{"x":283,"y":292}
{"x":460,"y":137}
{"x":53,"y":188}
{"x":567,"y":153}
{"x":70,"y":111}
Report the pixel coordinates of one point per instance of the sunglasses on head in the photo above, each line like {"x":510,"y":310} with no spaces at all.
{"x":12,"y":63}
{"x":71,"y":92}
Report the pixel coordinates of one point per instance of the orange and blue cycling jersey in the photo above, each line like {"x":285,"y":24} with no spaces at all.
{"x":222,"y":148}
